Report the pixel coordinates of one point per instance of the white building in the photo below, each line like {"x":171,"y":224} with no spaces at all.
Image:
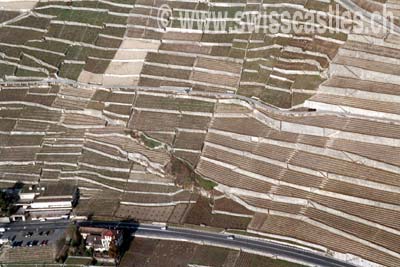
{"x":47,"y":201}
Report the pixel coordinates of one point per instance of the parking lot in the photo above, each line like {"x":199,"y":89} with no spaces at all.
{"x":33,"y":237}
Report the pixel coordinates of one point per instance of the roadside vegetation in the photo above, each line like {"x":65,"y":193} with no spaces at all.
{"x":207,"y":185}
{"x":8,"y":197}
{"x":71,"y":244}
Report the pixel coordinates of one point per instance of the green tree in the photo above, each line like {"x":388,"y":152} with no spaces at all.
{"x":73,"y":235}
{"x":7,"y":200}
{"x":3,"y":203}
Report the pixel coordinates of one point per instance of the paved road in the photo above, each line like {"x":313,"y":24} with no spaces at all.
{"x":37,"y":225}
{"x":190,"y":235}
{"x":242,"y":243}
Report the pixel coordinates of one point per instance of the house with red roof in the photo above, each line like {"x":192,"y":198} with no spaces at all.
{"x":100,"y":239}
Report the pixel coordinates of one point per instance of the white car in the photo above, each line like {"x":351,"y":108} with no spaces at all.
{"x":164,"y":228}
{"x":230,"y":237}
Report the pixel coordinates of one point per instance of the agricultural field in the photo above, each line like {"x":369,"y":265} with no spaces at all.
{"x":150,"y":252}
{"x":288,"y":136}
{"x":124,"y":44}
{"x":106,"y":161}
{"x":256,"y":169}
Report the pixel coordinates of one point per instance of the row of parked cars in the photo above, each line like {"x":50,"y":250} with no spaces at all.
{"x":30,"y":243}
{"x":29,"y":234}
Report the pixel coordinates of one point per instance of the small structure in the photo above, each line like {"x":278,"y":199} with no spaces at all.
{"x":19,"y":215}
{"x":28,"y":193}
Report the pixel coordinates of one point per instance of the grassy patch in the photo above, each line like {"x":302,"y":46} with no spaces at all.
{"x":204,"y":183}
{"x":149,"y":142}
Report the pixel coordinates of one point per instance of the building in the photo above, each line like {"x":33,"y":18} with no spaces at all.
{"x":99,"y":239}
{"x":46,"y":201}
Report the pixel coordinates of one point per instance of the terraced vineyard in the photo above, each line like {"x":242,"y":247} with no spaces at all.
{"x":121,"y":43}
{"x":145,"y":252}
{"x":60,"y":133}
{"x":163,"y":124}
{"x":364,"y":78}
{"x":307,"y":176}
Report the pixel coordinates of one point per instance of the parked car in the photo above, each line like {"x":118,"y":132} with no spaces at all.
{"x":44,"y":242}
{"x":28,"y":244}
{"x":35,"y":242}
{"x":16,"y":244}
